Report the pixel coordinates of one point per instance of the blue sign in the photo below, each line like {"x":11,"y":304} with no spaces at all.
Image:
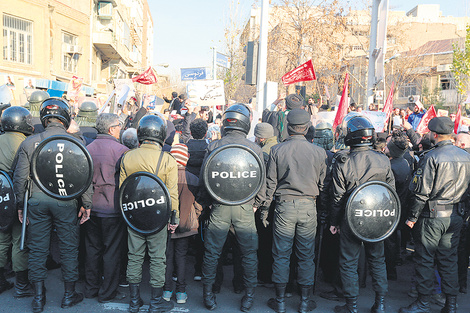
{"x":223,"y":60}
{"x":193,"y":73}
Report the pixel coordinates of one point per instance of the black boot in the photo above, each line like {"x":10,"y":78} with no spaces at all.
{"x":420,"y":305}
{"x":379,"y":305}
{"x":23,"y":288}
{"x":136,"y":301}
{"x":247,"y":300}
{"x":278,"y":304}
{"x":71,"y":297}
{"x":451,"y":304}
{"x":349,"y":307}
{"x":306,"y":305}
{"x":208,"y":297}
{"x":157,"y":303}
{"x":39,"y":299}
{"x":4,"y":283}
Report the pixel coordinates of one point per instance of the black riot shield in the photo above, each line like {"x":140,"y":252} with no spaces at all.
{"x":62,"y":167}
{"x":373,"y":211}
{"x":7,"y":202}
{"x":145,"y":203}
{"x":233,"y":174}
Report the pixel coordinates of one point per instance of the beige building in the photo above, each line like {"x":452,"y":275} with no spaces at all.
{"x":47,"y":42}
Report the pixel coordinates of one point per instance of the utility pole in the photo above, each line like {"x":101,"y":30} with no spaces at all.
{"x":378,"y":45}
{"x":372,"y":50}
{"x":214,"y":75}
{"x":262,"y":57}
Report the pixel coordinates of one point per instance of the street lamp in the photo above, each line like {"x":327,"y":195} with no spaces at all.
{"x":165,"y":65}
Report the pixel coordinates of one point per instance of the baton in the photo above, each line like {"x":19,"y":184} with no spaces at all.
{"x":317,"y":264}
{"x":25,"y":214}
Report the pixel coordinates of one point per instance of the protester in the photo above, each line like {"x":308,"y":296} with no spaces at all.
{"x":105,"y":230}
{"x":189,"y":212}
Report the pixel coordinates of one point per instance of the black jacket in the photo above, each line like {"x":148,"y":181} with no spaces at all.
{"x":296,"y":169}
{"x":441,"y":180}
{"x":197,"y":151}
{"x":402,"y":173}
{"x":352,"y":168}
{"x":22,"y":169}
{"x":278,"y":120}
{"x":186,"y":131}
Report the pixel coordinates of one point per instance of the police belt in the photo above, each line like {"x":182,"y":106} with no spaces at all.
{"x":292,"y":197}
{"x":441,"y":210}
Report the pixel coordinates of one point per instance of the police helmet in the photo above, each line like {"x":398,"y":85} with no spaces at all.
{"x":17,"y":119}
{"x":38,"y":96}
{"x":341,"y":131}
{"x":152,"y":127}
{"x":88,"y":109}
{"x":323,"y":136}
{"x":55,"y":108}
{"x":237,"y":117}
{"x":360,"y":132}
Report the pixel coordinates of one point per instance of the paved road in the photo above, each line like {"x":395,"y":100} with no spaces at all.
{"x":227,"y":300}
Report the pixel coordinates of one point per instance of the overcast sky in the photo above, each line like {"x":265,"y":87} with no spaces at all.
{"x":185,"y":30}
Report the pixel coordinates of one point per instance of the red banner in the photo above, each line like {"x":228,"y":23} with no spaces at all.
{"x":146,"y":78}
{"x":343,"y":104}
{"x":458,"y":118}
{"x":423,"y":124}
{"x":388,"y":107}
{"x":303,"y":73}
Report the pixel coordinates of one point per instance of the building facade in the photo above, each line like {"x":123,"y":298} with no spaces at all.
{"x":47,"y":42}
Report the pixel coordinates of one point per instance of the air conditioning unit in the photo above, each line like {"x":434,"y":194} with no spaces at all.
{"x":73,"y":49}
{"x":105,"y":10}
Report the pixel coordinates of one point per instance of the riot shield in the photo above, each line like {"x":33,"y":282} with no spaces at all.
{"x":62,"y":167}
{"x":145,"y":203}
{"x":7,"y":202}
{"x":233,"y":174}
{"x":373,"y":211}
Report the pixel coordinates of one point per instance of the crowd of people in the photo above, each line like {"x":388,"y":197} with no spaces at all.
{"x":310,"y":172}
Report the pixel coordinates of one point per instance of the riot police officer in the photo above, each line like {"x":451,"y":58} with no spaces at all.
{"x":295,"y":175}
{"x":438,"y":186}
{"x":45,"y":211}
{"x":149,"y":157}
{"x":34,"y":105}
{"x":236,"y":125}
{"x":17,"y":124}
{"x":351,"y":169}
{"x":86,"y":119}
{"x":323,"y":136}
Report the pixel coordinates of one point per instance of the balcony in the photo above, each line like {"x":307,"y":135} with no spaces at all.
{"x":106,"y":43}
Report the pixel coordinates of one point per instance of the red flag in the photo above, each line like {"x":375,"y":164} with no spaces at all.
{"x":343,"y":104}
{"x":388,"y":107}
{"x":303,"y":73}
{"x":458,"y":119}
{"x":423,"y":124}
{"x":146,"y":78}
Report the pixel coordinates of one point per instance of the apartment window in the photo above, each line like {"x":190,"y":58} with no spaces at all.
{"x":408,"y":90}
{"x":69,"y":52}
{"x":17,"y":39}
{"x":445,"y":83}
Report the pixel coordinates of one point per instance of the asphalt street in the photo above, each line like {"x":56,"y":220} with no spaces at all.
{"x":227,"y":300}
